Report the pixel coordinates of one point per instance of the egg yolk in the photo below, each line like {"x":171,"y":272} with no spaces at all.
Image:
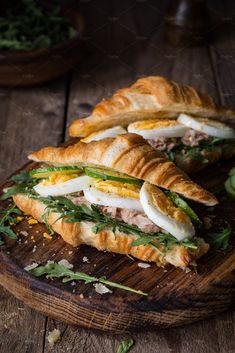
{"x":167,"y":207}
{"x":154,"y":124}
{"x":55,"y":179}
{"x":117,"y":188}
{"x":87,"y":139}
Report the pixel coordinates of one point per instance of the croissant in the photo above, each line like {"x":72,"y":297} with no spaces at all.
{"x":148,"y":98}
{"x":81,"y":233}
{"x":129,"y":154}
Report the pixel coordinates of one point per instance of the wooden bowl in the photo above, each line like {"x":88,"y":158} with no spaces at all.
{"x":26,"y":68}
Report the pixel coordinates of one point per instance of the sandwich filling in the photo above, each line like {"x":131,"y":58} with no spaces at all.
{"x":186,"y":137}
{"x":113,"y":200}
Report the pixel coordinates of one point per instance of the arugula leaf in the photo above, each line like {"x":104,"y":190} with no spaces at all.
{"x":196,"y":154}
{"x":178,"y":201}
{"x":17,"y":189}
{"x":170,"y":155}
{"x":22,"y":177}
{"x":7,"y":217}
{"x":8,"y":231}
{"x":220,"y":240}
{"x":55,"y":270}
{"x":125,"y":345}
{"x":45,"y":216}
{"x":142,"y":241}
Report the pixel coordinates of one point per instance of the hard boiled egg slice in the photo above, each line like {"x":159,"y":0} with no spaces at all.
{"x":100,"y":135}
{"x":208,"y":126}
{"x":150,"y":129}
{"x":66,"y":187}
{"x":161,"y":210}
{"x":115,"y":194}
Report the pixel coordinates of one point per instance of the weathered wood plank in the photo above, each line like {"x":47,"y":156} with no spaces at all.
{"x":30,"y":119}
{"x":196,"y":338}
{"x":21,"y":328}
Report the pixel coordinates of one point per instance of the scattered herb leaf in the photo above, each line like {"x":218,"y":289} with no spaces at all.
{"x":8,"y":217}
{"x":55,"y":270}
{"x":220,"y":240}
{"x":125,"y":345}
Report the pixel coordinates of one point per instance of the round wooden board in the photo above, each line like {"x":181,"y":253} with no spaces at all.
{"x":175,"y":297}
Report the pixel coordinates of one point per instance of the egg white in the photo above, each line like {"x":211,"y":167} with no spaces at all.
{"x":100,"y":135}
{"x":179,"y":229}
{"x":73,"y":185}
{"x":158,"y":128}
{"x":109,"y":199}
{"x":208,"y":126}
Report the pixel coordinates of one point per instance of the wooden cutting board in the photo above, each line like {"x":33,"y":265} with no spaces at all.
{"x":175,"y":297}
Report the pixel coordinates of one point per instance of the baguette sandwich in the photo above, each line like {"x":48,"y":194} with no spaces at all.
{"x":178,"y":120}
{"x":120,"y":195}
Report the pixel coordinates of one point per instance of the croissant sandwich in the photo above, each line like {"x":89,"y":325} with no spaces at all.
{"x":171,"y":117}
{"x":119,"y":195}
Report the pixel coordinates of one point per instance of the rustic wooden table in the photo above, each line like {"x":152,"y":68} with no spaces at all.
{"x":125,"y":41}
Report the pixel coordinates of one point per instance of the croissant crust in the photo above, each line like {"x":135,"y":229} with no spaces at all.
{"x":129,"y":154}
{"x":148,"y":98}
{"x":81,"y":233}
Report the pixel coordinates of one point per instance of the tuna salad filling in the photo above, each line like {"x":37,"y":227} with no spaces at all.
{"x":193,"y":143}
{"x":129,"y":216}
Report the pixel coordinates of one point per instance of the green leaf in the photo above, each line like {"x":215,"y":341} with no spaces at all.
{"x":142,"y":241}
{"x":220,"y":240}
{"x":18,"y":189}
{"x":196,"y":154}
{"x":98,"y":227}
{"x":8,"y":231}
{"x":22,"y":177}
{"x":1,"y":241}
{"x":7,"y":216}
{"x":125,"y":345}
{"x":178,"y":201}
{"x":170,"y":155}
{"x":53,"y":270}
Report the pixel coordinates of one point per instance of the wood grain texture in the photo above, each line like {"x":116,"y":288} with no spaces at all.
{"x":29,"y":118}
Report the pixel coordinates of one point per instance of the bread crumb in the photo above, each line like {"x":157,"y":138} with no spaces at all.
{"x":47,"y":236}
{"x":85,"y":259}
{"x":65,"y":263}
{"x":32,"y":221}
{"x":31,"y":267}
{"x":143,"y":265}
{"x":24,"y":233}
{"x":50,"y":262}
{"x":54,"y":336}
{"x":81,"y":296}
{"x":101,"y":288}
